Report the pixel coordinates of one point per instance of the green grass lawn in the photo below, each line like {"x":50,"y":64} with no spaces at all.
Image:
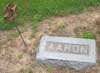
{"x":37,"y":10}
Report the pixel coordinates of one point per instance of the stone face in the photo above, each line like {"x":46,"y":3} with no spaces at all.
{"x":76,"y":53}
{"x":67,"y":48}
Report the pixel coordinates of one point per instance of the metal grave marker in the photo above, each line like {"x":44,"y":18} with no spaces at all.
{"x":64,"y":51}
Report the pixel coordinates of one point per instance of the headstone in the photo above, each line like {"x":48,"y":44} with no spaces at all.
{"x":76,"y":53}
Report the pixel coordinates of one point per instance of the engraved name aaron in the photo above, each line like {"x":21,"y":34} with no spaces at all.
{"x":67,"y":48}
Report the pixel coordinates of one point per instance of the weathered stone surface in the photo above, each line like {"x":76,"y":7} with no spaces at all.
{"x":64,"y":51}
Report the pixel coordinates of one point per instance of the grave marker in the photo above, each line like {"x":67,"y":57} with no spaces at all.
{"x":63,"y":51}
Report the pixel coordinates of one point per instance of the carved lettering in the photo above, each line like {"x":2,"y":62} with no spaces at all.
{"x":67,"y":48}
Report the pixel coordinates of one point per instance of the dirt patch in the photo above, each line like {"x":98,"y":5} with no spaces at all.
{"x":15,"y":57}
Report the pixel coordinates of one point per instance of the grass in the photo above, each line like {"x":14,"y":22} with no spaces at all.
{"x":62,"y":26}
{"x":28,"y":70}
{"x":37,"y":10}
{"x":99,"y":49}
{"x":4,"y":25}
{"x":14,"y":34}
{"x":19,"y":56}
{"x":50,"y":68}
{"x":88,"y":35}
{"x":99,"y":61}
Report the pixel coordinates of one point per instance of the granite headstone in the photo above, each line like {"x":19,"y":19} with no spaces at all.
{"x":76,"y":53}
